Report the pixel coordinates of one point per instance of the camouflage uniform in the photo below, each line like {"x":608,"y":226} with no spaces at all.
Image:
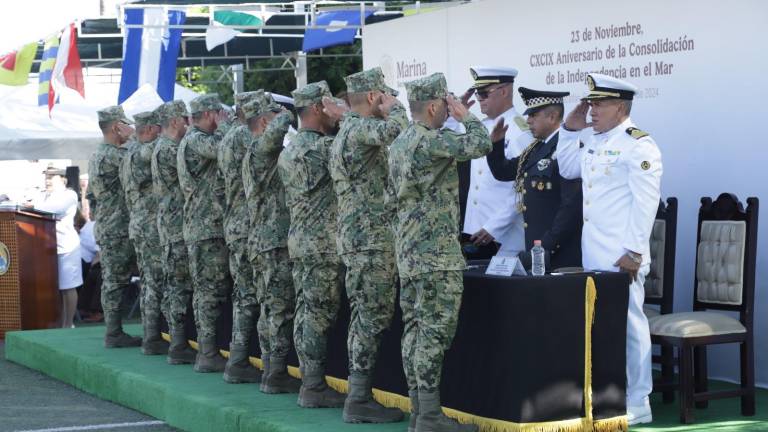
{"x":269,"y":229}
{"x":358,"y":167}
{"x":203,"y":189}
{"x":422,"y":166}
{"x":169,"y":222}
{"x":110,"y":213}
{"x":136,"y":178}
{"x":317,"y":270}
{"x":230,"y":157}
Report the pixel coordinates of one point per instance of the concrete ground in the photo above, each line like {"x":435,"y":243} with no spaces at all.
{"x":33,"y":402}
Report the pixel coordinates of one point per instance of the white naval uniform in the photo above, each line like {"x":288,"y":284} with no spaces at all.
{"x":621,"y":181}
{"x":64,"y":204}
{"x":492,"y":204}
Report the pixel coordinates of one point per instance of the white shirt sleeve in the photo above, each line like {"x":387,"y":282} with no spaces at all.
{"x":503,"y":220}
{"x":58,"y":203}
{"x":569,"y":154}
{"x":645,"y":170}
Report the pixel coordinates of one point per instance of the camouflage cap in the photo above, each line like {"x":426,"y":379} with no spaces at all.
{"x":368,"y":80}
{"x":311,"y":94}
{"x":146,"y":118}
{"x":260,"y":106}
{"x":428,"y":88}
{"x":172,"y":109}
{"x":206,"y":102}
{"x":245,"y":97}
{"x":112,"y":114}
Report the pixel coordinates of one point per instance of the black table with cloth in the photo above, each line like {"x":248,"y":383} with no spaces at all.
{"x":519,"y":351}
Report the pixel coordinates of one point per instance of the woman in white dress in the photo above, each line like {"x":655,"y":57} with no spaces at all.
{"x":63,"y":203}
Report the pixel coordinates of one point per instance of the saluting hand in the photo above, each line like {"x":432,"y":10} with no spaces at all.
{"x":465,"y":98}
{"x":333,"y":110}
{"x":577,"y":118}
{"x":455,"y":109}
{"x":499,"y":131}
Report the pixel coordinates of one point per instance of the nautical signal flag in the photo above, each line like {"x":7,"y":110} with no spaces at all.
{"x":150,"y":51}
{"x":327,"y":37}
{"x":60,"y":67}
{"x":15,"y":66}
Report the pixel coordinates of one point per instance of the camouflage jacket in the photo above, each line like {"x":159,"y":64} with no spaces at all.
{"x":422,"y":165}
{"x":105,"y":193}
{"x":358,"y":166}
{"x":202,"y":184}
{"x":309,"y":195}
{"x":269,"y":217}
{"x":170,"y":200}
{"x":136,"y":178}
{"x":230,"y":161}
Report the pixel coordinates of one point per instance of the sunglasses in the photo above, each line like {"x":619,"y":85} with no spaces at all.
{"x":484,"y":93}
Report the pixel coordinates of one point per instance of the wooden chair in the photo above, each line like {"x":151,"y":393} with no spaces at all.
{"x":660,"y":282}
{"x":724,"y":281}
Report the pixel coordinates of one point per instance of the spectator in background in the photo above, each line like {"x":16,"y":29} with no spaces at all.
{"x":63,"y":203}
{"x":89,"y":300}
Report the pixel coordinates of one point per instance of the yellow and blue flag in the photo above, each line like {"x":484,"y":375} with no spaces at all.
{"x":45,"y":94}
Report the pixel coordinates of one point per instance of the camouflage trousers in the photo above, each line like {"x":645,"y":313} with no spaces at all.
{"x":430,"y":304}
{"x":244,"y":301}
{"x":317,"y":280}
{"x":153,"y":299}
{"x":209,"y":268}
{"x":371,"y":289}
{"x":278,"y":301}
{"x":117,"y":255}
{"x":178,"y":284}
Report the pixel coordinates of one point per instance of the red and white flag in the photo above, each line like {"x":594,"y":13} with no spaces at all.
{"x":68,"y":72}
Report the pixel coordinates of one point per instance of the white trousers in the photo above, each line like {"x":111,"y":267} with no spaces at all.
{"x":639,"y":380}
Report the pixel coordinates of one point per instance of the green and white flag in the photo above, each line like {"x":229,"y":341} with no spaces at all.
{"x":216,"y":35}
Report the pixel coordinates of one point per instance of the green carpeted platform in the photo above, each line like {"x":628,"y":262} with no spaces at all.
{"x":204,"y":402}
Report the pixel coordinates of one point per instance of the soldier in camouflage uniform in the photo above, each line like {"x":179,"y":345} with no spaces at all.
{"x":230,"y":160}
{"x":203,"y":189}
{"x":136,"y":178}
{"x":108,"y":209}
{"x":358,"y":166}
{"x":317,"y":270}
{"x":170,"y":202}
{"x":269,"y":123}
{"x":422,"y":166}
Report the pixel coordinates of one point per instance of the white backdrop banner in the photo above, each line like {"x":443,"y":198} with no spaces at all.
{"x":703,"y":83}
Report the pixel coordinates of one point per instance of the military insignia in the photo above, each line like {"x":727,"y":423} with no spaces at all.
{"x":549,"y":185}
{"x":5,"y":259}
{"x":636,"y":133}
{"x":543,"y":164}
{"x":540,"y":186}
{"x":590,"y":83}
{"x":520,"y":122}
{"x":645,"y":165}
{"x":612,"y":152}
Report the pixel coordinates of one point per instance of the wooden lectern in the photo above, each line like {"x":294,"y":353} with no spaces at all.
{"x":29,"y":294}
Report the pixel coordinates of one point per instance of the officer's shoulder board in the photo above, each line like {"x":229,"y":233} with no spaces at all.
{"x":636,"y":133}
{"x":521,"y":123}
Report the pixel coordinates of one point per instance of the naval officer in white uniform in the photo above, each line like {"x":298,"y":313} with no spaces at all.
{"x":491,"y":213}
{"x":620,"y":167}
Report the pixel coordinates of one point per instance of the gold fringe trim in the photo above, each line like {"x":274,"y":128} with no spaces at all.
{"x":613,"y":424}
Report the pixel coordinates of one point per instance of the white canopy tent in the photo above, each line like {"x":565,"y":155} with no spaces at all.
{"x":71,"y":132}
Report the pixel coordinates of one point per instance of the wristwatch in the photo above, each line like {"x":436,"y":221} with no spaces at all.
{"x":637,"y":258}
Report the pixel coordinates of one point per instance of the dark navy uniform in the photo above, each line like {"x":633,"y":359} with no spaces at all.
{"x":551,"y":204}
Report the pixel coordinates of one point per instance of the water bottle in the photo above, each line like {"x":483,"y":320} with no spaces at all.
{"x":537,"y":259}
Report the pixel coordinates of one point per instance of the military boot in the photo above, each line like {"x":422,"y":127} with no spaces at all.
{"x":278,"y":380}
{"x":153,"y":343}
{"x":432,"y":419}
{"x":115,"y":337}
{"x":359,"y":407}
{"x":208,"y":357}
{"x":238,"y":369}
{"x":414,"y":395}
{"x":180,"y":352}
{"x":315,"y":393}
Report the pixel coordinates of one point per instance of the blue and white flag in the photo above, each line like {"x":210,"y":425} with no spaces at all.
{"x":150,"y":53}
{"x":324,"y":38}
